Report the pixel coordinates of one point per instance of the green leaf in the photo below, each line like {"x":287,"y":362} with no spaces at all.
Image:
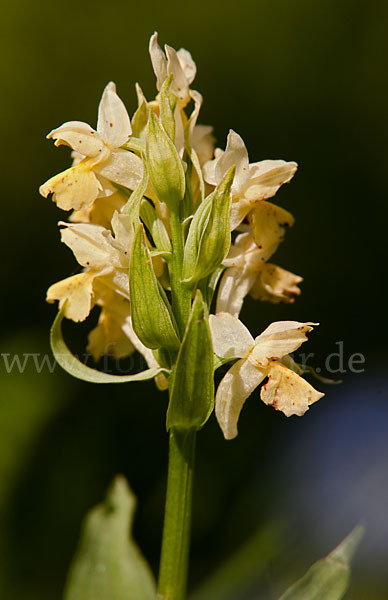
{"x":164,"y":165}
{"x":108,"y":564}
{"x":192,"y":390}
{"x":209,"y":238}
{"x":152,"y":317}
{"x":76,"y":368}
{"x":329,"y":578}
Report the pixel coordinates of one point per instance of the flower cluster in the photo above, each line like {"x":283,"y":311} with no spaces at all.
{"x":160,"y":216}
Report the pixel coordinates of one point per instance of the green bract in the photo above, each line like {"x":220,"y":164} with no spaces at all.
{"x":152,"y":318}
{"x":132,"y":207}
{"x":167,"y":103}
{"x":164,"y":165}
{"x":76,"y":368}
{"x":155,"y":226}
{"x":209,"y":236}
{"x":192,"y":389}
{"x":140,"y":118}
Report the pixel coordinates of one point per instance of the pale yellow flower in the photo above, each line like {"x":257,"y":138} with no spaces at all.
{"x":77,"y":291}
{"x":171,"y":62}
{"x":269,"y":223}
{"x":200,"y":137}
{"x":253,"y":182}
{"x":109,"y":200}
{"x":101,"y":211}
{"x":203,"y":140}
{"x":181,"y":65}
{"x":105,"y":258}
{"x":259,"y":358}
{"x":275,"y":284}
{"x":108,"y":337}
{"x":248,"y":273}
{"x":78,"y":187}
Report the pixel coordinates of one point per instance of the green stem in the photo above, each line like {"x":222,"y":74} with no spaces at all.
{"x":181,"y":297}
{"x":177,"y":519}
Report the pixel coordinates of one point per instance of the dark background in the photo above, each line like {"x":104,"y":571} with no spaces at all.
{"x":301,"y":80}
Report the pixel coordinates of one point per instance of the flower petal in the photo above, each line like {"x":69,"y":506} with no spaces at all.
{"x":159,"y":61}
{"x":238,"y":211}
{"x":279,"y":339}
{"x":288,"y":392}
{"x":117,"y":280}
{"x":202,"y":140}
{"x":90,"y":245}
{"x":231,"y":339}
{"x":179,"y":86}
{"x":101,"y":211}
{"x":237,"y":385}
{"x":123,"y":231}
{"x":179,"y":118}
{"x":76,"y":188}
{"x":244,"y":254}
{"x":188,"y":65}
{"x":78,"y":291}
{"x":236,"y":155}
{"x":209,"y":168}
{"x":269,"y":223}
{"x":108,"y":336}
{"x":113,"y":124}
{"x":276,"y":285}
{"x":266,"y":177}
{"x":197,"y":99}
{"x":123,"y":167}
{"x":234,"y":286}
{"x":79,"y":136}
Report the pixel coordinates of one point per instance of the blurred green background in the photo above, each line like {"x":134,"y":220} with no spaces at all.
{"x":301,"y":80}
